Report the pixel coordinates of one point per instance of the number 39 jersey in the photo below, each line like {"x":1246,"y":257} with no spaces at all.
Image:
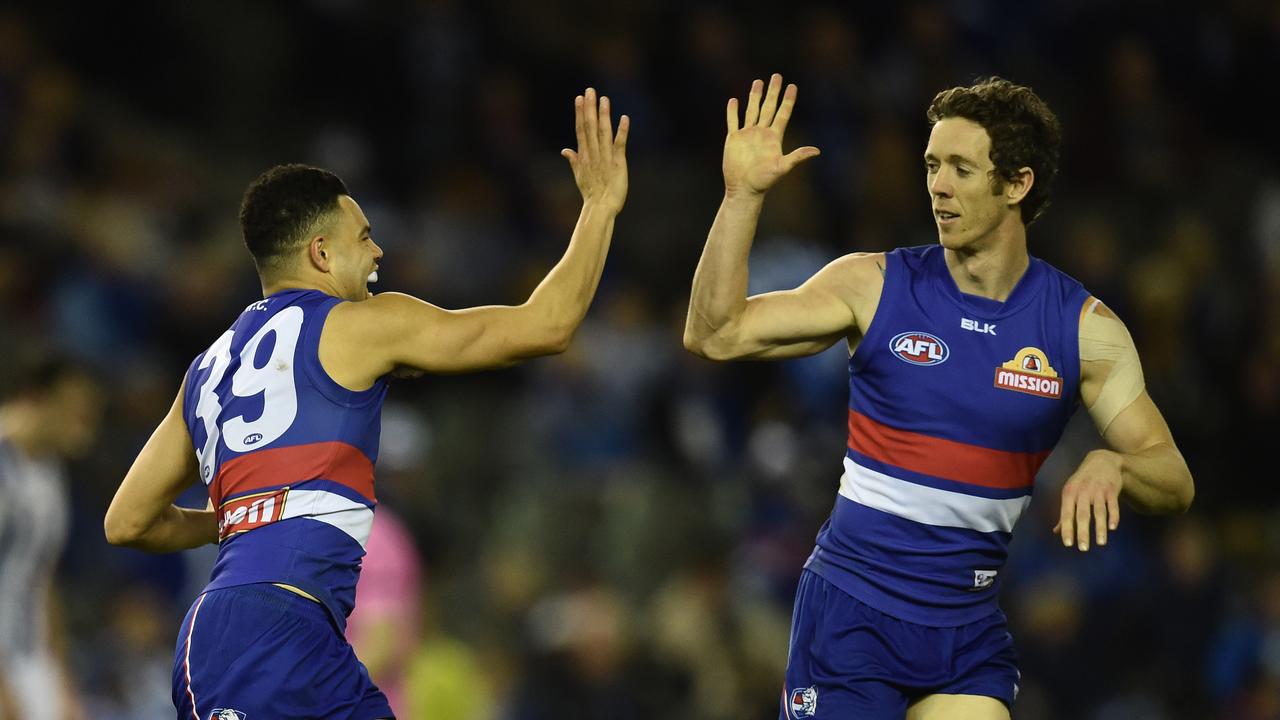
{"x":286,"y":452}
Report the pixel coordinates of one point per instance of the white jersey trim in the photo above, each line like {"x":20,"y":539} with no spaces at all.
{"x":347,"y":515}
{"x":926,"y":505}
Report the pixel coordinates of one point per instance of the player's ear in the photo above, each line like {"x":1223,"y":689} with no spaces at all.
{"x":317,"y":253}
{"x":1017,"y":188}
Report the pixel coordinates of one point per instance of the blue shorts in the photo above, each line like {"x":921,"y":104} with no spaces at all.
{"x":260,"y":652}
{"x":848,"y":660}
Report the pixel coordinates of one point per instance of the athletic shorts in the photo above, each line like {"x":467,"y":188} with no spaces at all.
{"x":260,"y":652}
{"x":848,"y":660}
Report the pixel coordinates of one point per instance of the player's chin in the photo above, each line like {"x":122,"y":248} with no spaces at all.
{"x":952,"y":239}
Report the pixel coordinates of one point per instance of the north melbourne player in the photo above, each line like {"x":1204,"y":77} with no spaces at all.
{"x":966,"y":360}
{"x":280,"y":418}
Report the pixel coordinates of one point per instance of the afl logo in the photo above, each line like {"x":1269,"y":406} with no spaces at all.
{"x":253,"y":438}
{"x":919,"y":348}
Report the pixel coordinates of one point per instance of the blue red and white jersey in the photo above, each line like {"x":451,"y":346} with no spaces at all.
{"x":286,"y":452}
{"x":955,"y":401}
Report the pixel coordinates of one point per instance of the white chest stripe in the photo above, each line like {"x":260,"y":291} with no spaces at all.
{"x":927,"y":505}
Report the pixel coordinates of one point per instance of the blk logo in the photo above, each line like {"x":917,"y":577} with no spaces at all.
{"x":984,"y":328}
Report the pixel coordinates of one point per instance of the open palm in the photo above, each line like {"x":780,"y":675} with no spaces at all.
{"x":753,"y":159}
{"x":600,"y":162}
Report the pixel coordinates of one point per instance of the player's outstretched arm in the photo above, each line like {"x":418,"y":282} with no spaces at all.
{"x":142,"y":514}
{"x":723,"y":323}
{"x":1142,"y":464}
{"x":366,"y":340}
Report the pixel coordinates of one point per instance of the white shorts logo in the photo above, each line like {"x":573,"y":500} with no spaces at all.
{"x":804,"y":702}
{"x":227,"y":714}
{"x":983,"y":579}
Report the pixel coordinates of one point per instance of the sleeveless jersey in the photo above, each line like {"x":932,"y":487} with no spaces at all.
{"x":286,"y":452}
{"x":955,"y":401}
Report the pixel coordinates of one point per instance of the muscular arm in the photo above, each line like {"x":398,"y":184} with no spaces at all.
{"x":1155,"y":476}
{"x":1142,"y":464}
{"x":723,"y":323}
{"x":366,"y":340}
{"x":142,"y":513}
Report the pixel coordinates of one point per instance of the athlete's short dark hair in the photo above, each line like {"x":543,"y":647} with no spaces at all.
{"x":1024,"y":132}
{"x":283,"y":207}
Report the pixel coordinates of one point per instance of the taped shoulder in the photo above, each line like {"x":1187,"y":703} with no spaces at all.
{"x":1110,"y":369}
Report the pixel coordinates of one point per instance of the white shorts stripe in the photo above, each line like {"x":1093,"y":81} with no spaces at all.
{"x":348,"y":516}
{"x":926,"y":505}
{"x":186,"y":661}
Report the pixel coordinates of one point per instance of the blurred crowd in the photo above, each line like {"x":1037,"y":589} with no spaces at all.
{"x":617,"y":532}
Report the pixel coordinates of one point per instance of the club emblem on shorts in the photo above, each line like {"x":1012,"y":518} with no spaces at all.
{"x":804,"y":702}
{"x":919,"y":348}
{"x":1030,"y":372}
{"x":227,"y":714}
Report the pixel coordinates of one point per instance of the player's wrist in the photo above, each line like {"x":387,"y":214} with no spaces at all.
{"x":599,"y":204}
{"x":741,"y":195}
{"x":1113,"y":461}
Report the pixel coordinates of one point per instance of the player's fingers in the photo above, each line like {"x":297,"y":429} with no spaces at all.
{"x":591,"y":121}
{"x":1083,"y":512}
{"x":606,"y":127}
{"x":1113,"y":512}
{"x":624,"y":130}
{"x":770,"y":105}
{"x":799,"y":155}
{"x":579,"y":123}
{"x":731,"y":115}
{"x":1066,"y":522}
{"x":572,"y":157}
{"x":1100,"y":521}
{"x":784,"y":110}
{"x":753,"y":104}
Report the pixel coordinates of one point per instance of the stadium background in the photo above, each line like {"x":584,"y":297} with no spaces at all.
{"x":617,"y":532}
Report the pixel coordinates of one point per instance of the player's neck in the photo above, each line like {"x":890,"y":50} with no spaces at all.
{"x":992,"y":267}
{"x":323,"y":283}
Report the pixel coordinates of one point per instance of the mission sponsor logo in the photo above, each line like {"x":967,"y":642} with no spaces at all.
{"x":1030,"y":372}
{"x":250,"y":511}
{"x":919,"y":348}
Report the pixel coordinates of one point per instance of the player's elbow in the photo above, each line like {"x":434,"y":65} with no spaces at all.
{"x":126,"y":529}
{"x":122,"y":530}
{"x":709,"y":347}
{"x":549,"y":329}
{"x":551,"y":340}
{"x":560,"y":339}
{"x":1186,"y":495}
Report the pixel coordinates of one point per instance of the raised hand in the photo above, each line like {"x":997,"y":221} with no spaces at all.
{"x":753,"y":159}
{"x":600,"y":162}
